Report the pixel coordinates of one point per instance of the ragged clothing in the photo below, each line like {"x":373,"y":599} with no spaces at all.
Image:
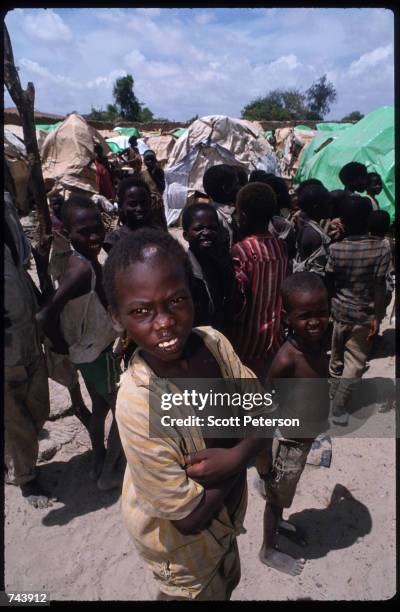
{"x":85,"y":324}
{"x":157,"y":490}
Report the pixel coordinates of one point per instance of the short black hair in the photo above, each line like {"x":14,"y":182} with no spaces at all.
{"x":352,"y":172}
{"x":311,"y":196}
{"x":379,"y":222}
{"x":339,"y":201}
{"x":356,"y":214}
{"x":190,"y":211}
{"x":217,"y":176}
{"x":307,"y":183}
{"x":300,"y":282}
{"x":130,"y":251}
{"x":129,"y":182}
{"x":56,"y":203}
{"x":241,"y":174}
{"x":98,"y":149}
{"x":132,"y":139}
{"x":277,"y":183}
{"x":258,"y":201}
{"x":75,"y":202}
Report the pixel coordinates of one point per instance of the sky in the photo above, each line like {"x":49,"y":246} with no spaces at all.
{"x":204,"y":61}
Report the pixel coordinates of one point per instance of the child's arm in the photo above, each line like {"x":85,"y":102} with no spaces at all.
{"x":75,"y":283}
{"x":210,"y":505}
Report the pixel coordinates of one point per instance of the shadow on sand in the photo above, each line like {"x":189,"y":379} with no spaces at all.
{"x":69,"y":482}
{"x":337,"y":526}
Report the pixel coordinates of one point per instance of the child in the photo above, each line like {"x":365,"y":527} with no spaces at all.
{"x":260,"y":263}
{"x":77,"y":322}
{"x":184,"y":530}
{"x":302,"y":356}
{"x":104,"y":178}
{"x":378,"y":226}
{"x":354,"y":177}
{"x":374,"y":187}
{"x":132,"y":156}
{"x":221,"y":184}
{"x":279,"y":226}
{"x":156,"y":173}
{"x":312,"y":241}
{"x":213,"y":279}
{"x":134,"y":200}
{"x":356,"y":274}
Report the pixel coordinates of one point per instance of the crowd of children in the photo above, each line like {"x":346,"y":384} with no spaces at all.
{"x":249,"y":298}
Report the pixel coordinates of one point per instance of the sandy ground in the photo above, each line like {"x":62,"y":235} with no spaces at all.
{"x":79,"y":549}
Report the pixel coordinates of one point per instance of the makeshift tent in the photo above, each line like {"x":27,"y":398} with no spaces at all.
{"x":290,"y":142}
{"x":19,"y":132}
{"x":303,"y":128}
{"x":332,"y":127}
{"x":370,"y":141}
{"x":162,"y":147}
{"x":17,"y":163}
{"x":209,"y":141}
{"x":120,"y":143}
{"x":66,"y":153}
{"x":128,"y":131}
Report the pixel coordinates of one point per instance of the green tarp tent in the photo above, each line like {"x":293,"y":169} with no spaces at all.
{"x":47,"y":127}
{"x":114,"y":147}
{"x":180,"y":132}
{"x":303,"y":128}
{"x":370,"y":141}
{"x":332,"y":127}
{"x":125,"y":131}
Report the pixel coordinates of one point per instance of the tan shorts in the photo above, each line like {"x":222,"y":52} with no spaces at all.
{"x":221,"y":586}
{"x":290,"y":457}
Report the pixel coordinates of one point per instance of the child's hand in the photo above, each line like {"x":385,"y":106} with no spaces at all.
{"x":212,"y":465}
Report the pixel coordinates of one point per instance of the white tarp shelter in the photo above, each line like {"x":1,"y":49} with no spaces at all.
{"x":210,"y":141}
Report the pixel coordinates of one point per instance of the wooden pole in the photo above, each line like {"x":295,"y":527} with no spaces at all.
{"x":24,"y":101}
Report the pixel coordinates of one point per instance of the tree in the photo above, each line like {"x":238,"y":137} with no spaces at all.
{"x":145,"y":115}
{"x":286,"y":104}
{"x":319,"y":97}
{"x":354,"y":116}
{"x":278,"y":105}
{"x":127,"y":104}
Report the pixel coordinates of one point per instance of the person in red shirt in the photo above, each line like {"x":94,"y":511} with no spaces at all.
{"x":104,"y":181}
{"x":260,"y":261}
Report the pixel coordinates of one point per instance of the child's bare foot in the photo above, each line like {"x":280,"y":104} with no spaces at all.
{"x":281,"y":562}
{"x":35,"y":495}
{"x":293,"y":532}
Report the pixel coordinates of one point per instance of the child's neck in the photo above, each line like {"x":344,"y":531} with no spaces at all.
{"x":305,"y":346}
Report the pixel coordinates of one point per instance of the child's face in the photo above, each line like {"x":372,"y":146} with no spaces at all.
{"x":150,"y":162}
{"x":202,"y":234}
{"x":136,"y":207}
{"x":309,"y":314}
{"x":155,"y":306}
{"x":86,"y":231}
{"x":374,"y":185}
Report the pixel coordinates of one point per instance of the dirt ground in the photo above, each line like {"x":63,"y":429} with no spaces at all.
{"x":79,"y":549}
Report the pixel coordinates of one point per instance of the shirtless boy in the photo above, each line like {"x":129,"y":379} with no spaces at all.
{"x":302,"y":356}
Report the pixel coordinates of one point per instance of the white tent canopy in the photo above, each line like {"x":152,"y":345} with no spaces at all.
{"x":210,"y":141}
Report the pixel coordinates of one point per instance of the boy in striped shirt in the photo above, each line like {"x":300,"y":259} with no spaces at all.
{"x":260,"y":262}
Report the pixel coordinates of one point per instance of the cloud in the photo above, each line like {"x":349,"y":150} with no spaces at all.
{"x":189,"y":61}
{"x":204,"y":18}
{"x":368,"y":60}
{"x":47,"y":26}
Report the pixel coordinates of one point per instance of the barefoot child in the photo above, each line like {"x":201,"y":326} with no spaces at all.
{"x":184,"y":530}
{"x":77,"y":322}
{"x":302,"y":356}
